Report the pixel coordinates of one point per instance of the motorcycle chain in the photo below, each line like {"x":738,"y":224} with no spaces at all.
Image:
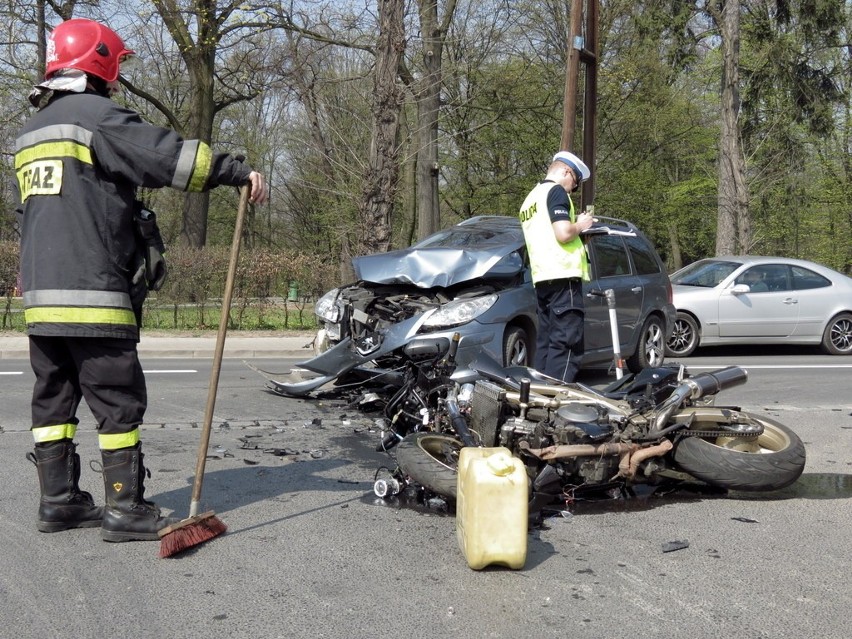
{"x":721,"y":433}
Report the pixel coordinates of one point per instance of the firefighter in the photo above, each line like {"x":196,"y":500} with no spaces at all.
{"x":559,"y":265}
{"x":79,"y":161}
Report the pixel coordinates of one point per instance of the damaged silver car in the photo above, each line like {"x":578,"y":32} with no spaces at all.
{"x":473,"y":279}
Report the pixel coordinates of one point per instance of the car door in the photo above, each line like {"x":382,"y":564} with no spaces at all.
{"x":611,"y":269}
{"x":773,"y":312}
{"x":814,"y":299}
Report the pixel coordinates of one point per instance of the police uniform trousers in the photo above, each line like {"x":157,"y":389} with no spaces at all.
{"x":104,"y":371}
{"x":561,"y":316}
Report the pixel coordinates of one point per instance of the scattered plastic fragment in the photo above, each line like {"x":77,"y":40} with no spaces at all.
{"x":280,"y":452}
{"x":671,"y":546}
{"x":745,"y":520}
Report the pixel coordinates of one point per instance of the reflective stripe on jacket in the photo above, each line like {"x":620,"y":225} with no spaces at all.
{"x":549,"y":259}
{"x":78,"y":163}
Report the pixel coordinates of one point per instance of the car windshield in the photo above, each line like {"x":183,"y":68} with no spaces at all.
{"x":468,"y":238}
{"x":704,"y":273}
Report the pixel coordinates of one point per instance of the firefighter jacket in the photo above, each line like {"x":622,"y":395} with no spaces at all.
{"x":78,"y":162}
{"x":549,"y":259}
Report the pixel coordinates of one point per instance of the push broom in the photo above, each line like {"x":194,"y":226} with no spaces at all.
{"x":196,"y":529}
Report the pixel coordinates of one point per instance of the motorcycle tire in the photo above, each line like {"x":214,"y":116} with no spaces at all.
{"x":774,"y":461}
{"x":431,"y":460}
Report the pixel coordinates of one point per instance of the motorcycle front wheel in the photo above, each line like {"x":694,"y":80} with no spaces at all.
{"x":431,"y":460}
{"x":772,"y":460}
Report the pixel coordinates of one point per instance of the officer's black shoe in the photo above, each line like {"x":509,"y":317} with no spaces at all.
{"x":128,"y":516}
{"x":63,"y":505}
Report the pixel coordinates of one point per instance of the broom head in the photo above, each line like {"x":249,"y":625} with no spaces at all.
{"x":190,"y":532}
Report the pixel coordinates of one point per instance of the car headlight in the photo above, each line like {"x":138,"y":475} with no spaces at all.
{"x":326,"y":307}
{"x":460,"y":311}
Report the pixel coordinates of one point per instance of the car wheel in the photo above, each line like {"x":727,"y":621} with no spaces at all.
{"x":650,"y":351}
{"x":516,"y":347}
{"x":837,"y":337}
{"x":684,"y":338}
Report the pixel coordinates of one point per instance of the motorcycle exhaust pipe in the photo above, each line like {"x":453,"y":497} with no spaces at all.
{"x":716,"y":381}
{"x":562,"y":451}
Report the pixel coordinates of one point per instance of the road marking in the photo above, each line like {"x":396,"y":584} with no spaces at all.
{"x":167,"y":372}
{"x":778,"y":366}
{"x":152,"y":371}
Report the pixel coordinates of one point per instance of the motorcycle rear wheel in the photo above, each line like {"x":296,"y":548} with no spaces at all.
{"x":431,"y":460}
{"x":775,"y":460}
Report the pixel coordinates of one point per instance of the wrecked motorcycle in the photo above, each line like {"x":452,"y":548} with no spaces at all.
{"x":659,"y":427}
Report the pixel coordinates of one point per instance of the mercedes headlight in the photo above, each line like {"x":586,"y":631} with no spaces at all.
{"x":326,"y":307}
{"x":460,"y":312}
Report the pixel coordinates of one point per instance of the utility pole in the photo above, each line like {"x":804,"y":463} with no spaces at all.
{"x":582,"y":48}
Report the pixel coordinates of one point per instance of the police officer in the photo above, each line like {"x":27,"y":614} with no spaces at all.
{"x":559,"y":265}
{"x":79,"y":161}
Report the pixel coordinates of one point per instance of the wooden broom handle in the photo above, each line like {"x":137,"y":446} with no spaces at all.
{"x":220,"y":348}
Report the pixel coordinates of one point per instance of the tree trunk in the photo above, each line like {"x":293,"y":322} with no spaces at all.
{"x":733,"y":232}
{"x":380,"y":182}
{"x":674,"y":243}
{"x":428,"y":96}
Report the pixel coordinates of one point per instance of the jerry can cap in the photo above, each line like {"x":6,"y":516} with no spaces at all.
{"x":500,"y":464}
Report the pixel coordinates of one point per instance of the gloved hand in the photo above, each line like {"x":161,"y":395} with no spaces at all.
{"x":138,"y":288}
{"x":153,"y":249}
{"x":155,"y":268}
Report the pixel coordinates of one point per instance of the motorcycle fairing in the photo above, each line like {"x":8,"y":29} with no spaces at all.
{"x":344,"y":357}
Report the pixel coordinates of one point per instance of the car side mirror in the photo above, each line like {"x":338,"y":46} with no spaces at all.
{"x":740,"y":289}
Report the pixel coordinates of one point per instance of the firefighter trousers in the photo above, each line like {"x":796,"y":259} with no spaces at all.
{"x":104,"y":371}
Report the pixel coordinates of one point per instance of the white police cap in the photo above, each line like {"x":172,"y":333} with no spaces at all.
{"x":577,"y":165}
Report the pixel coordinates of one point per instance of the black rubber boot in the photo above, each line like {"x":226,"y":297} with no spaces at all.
{"x":128,"y":516}
{"x":63,"y":505}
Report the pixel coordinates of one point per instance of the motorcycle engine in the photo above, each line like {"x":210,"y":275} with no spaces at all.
{"x":572,"y":424}
{"x":577,"y":423}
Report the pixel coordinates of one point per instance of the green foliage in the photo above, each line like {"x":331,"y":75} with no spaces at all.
{"x":9,"y":284}
{"x":501,"y":117}
{"x":263,"y":284}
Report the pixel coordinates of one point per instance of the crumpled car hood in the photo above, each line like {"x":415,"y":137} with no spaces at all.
{"x":431,"y":267}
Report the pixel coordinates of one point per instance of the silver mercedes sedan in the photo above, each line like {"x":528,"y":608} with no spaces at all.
{"x":747,"y":299}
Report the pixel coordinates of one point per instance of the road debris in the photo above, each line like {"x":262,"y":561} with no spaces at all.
{"x":671,"y":546}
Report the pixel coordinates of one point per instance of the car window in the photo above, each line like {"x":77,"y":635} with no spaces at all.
{"x":804,"y":279}
{"x":707,"y":273}
{"x":610,"y":256}
{"x":757,"y":278}
{"x":643,"y":257}
{"x":776,"y":277}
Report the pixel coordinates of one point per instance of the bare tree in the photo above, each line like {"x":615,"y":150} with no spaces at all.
{"x":380,"y":183}
{"x":199,"y":44}
{"x":426,"y":89}
{"x":733,"y":231}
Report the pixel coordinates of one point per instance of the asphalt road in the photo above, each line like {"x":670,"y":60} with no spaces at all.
{"x":311,"y":553}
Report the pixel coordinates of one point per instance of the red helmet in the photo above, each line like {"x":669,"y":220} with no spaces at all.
{"x":85,"y":45}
